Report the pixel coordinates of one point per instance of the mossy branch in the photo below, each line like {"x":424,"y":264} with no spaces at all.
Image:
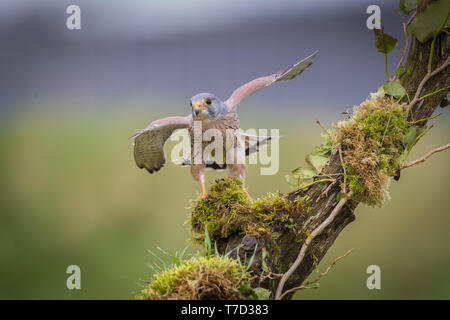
{"x":288,"y":235}
{"x":321,"y":205}
{"x":279,"y":293}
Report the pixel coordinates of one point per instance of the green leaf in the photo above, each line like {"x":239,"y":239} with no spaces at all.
{"x":408,"y":6}
{"x":384,"y":42}
{"x":292,"y":181}
{"x":380,"y":91}
{"x":207,"y":242}
{"x":304,"y":173}
{"x":305,"y":177}
{"x":413,"y":136}
{"x":319,"y":157}
{"x":245,"y":289}
{"x":317,"y":162}
{"x":263,"y":259}
{"x":324,"y":149}
{"x":246,"y":292}
{"x":400,"y":70}
{"x":394,"y":88}
{"x":261,"y":293}
{"x":428,"y":21}
{"x":410,"y":137}
{"x":300,"y":178}
{"x":252,"y":257}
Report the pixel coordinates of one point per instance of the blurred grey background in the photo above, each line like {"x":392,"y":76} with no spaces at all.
{"x":157,"y":48}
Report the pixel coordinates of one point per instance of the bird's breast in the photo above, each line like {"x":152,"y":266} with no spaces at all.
{"x":227,"y":127}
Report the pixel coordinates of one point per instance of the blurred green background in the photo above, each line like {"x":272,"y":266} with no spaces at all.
{"x":71,"y":194}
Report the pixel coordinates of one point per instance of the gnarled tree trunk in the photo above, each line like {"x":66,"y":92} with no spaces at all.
{"x":280,"y":257}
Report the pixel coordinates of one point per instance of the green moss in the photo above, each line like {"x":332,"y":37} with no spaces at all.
{"x":213,"y":277}
{"x":210,"y":277}
{"x":355,"y":183}
{"x":372,"y":142}
{"x":266,"y":208}
{"x":227,"y":211}
{"x":220,"y":210}
{"x":276,"y":214}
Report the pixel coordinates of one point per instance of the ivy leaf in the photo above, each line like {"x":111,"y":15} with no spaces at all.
{"x":428,"y":21}
{"x":207,"y":242}
{"x":245,"y":289}
{"x":317,"y":159}
{"x":410,"y":137}
{"x":261,"y":293}
{"x":384,"y":42}
{"x":300,"y":177}
{"x":305,"y":177}
{"x":394,"y":88}
{"x":400,"y":70}
{"x":380,"y":91}
{"x":408,"y":6}
{"x":324,"y":149}
{"x":292,"y":181}
{"x":258,"y":293}
{"x":317,"y":162}
{"x":263,"y":260}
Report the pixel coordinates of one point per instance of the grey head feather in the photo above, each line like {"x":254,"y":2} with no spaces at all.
{"x":217,"y":107}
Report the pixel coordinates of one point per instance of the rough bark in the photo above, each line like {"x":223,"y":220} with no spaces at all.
{"x":278,"y":258}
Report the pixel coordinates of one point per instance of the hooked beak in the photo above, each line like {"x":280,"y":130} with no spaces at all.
{"x":197,"y":109}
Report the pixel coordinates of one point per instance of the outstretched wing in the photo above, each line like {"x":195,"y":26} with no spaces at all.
{"x":149,"y":142}
{"x":260,"y":83}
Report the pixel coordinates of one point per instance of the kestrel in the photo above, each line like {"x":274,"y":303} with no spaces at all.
{"x":213,"y":113}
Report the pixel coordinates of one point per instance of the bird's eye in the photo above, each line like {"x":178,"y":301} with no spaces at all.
{"x":208,"y":101}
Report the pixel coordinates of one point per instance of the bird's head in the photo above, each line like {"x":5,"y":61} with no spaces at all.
{"x":206,"y":106}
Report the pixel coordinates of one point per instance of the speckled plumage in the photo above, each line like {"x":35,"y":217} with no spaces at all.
{"x":222,"y":124}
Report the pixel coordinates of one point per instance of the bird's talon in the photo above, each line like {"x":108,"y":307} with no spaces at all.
{"x":248,"y":196}
{"x":204,"y":192}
